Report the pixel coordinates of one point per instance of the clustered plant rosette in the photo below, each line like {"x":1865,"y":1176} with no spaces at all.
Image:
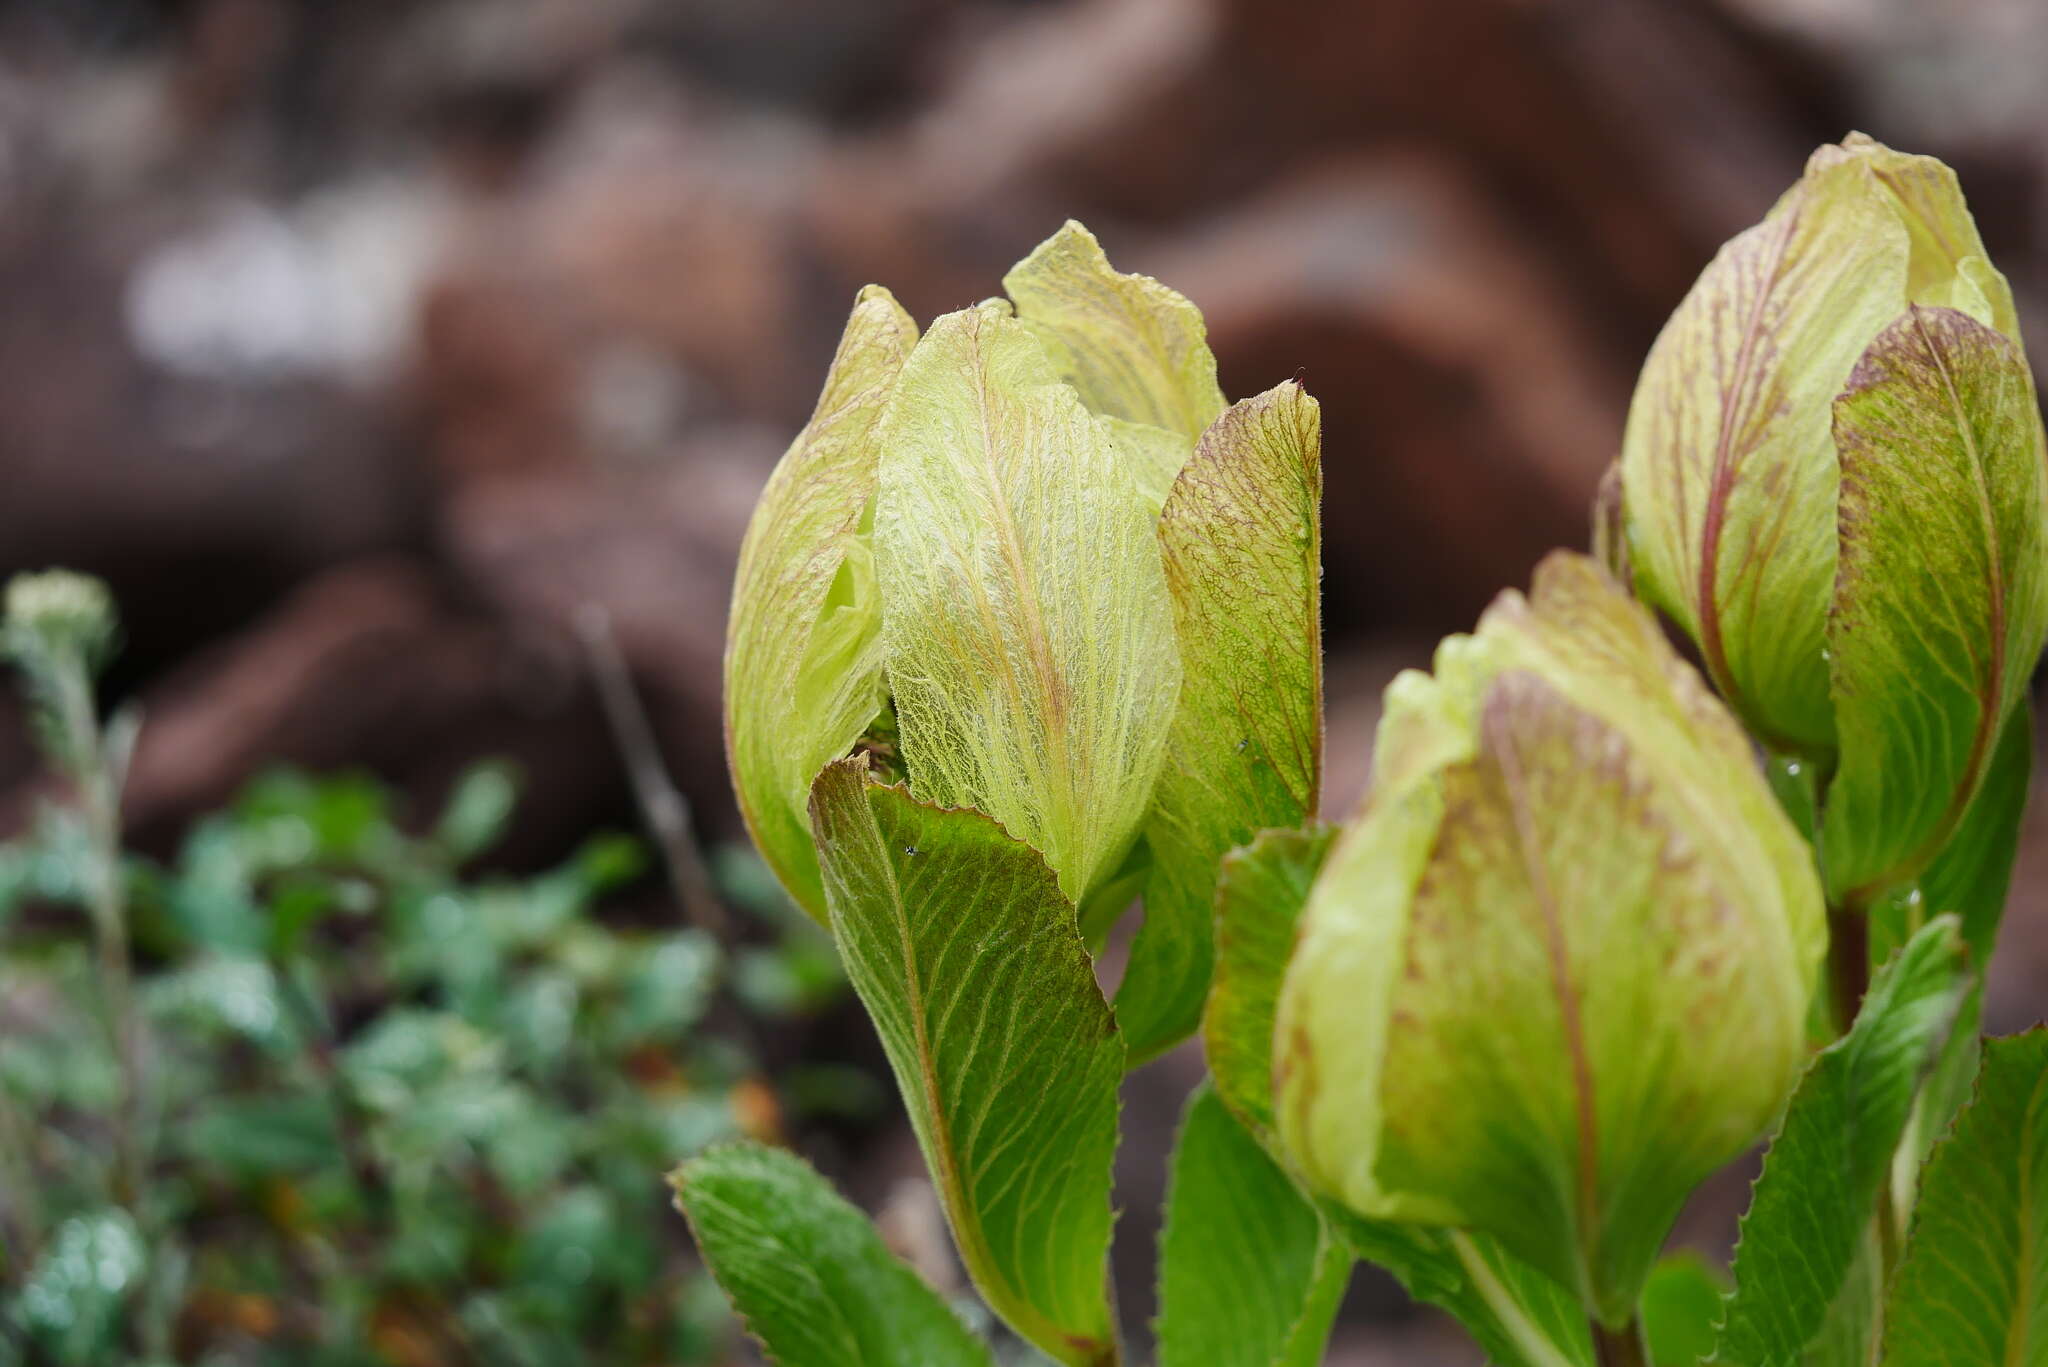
{"x":1030,"y":564}
{"x":1026,"y":626}
{"x":1028,"y":615}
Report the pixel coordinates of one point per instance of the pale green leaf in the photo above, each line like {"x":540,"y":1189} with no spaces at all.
{"x":1134,"y":348}
{"x":1248,"y":1274}
{"x":1972,"y":1290}
{"x":967,"y":956}
{"x":808,"y":1273}
{"x":1831,"y":1158}
{"x":1942,"y":600}
{"x":1027,"y":635}
{"x":1243,"y":562}
{"x":803,"y":648}
{"x":1259,"y":898}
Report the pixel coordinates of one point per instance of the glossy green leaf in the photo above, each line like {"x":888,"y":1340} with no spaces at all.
{"x":808,"y":1273}
{"x":1832,"y":1155}
{"x":1942,"y":600}
{"x":1027,"y":635}
{"x":968,"y":958}
{"x":1248,"y":1274}
{"x":802,"y":656}
{"x":1259,"y":898}
{"x":1243,"y":563}
{"x":1135,"y":349}
{"x":1973,"y":1287}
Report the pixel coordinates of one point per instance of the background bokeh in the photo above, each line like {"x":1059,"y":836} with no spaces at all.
{"x":360,"y":343}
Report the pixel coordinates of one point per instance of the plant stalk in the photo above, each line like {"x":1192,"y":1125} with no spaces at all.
{"x":1848,"y":961}
{"x":1624,"y":1347}
{"x":98,"y":778}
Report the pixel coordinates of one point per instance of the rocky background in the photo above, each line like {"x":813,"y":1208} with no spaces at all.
{"x":360,"y":343}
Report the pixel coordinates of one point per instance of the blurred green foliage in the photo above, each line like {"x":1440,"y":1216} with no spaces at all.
{"x":393,"y":1114}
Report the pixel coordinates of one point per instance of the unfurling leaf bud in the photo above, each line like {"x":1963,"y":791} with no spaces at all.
{"x":1557,"y":971}
{"x":977,"y":564}
{"x":1833,"y":482}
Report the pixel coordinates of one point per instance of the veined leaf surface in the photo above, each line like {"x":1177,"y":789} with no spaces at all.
{"x":808,"y":1273}
{"x":1973,"y":1287}
{"x":1942,"y":599}
{"x":1136,"y":350}
{"x":803,"y":653}
{"x":1249,"y":1275}
{"x":1026,"y":630}
{"x":1811,"y":1213}
{"x":1243,"y":563}
{"x":967,"y":956}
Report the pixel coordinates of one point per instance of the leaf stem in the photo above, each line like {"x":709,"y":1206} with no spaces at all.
{"x":1624,"y":1347}
{"x":1848,"y":961}
{"x":1536,"y":1346}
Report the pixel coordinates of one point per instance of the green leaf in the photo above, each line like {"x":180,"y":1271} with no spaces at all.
{"x":1243,"y":563}
{"x":808,"y":1272}
{"x":1681,"y":1308}
{"x":1248,"y":1274}
{"x":1973,"y":1287}
{"x":802,"y":656}
{"x":478,"y":809}
{"x":968,"y":958}
{"x":1832,"y":1155}
{"x":1941,"y":603}
{"x":1258,"y":902}
{"x":1026,"y":630}
{"x":1135,"y":349}
{"x":1972,"y":874}
{"x":1520,"y":1317}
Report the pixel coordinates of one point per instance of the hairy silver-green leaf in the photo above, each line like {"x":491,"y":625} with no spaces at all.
{"x":1810,"y":1216}
{"x":1973,"y":1287}
{"x":803,"y":669}
{"x":1135,"y":349}
{"x":806,"y":1270}
{"x":1248,"y":1274}
{"x":1243,"y":561}
{"x":1026,"y":630}
{"x":967,"y":956}
{"x":1942,"y":599}
{"x":1730,"y":473}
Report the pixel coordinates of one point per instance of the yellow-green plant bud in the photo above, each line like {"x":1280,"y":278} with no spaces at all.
{"x":1557,"y":970}
{"x":1832,"y":481}
{"x":977,"y":563}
